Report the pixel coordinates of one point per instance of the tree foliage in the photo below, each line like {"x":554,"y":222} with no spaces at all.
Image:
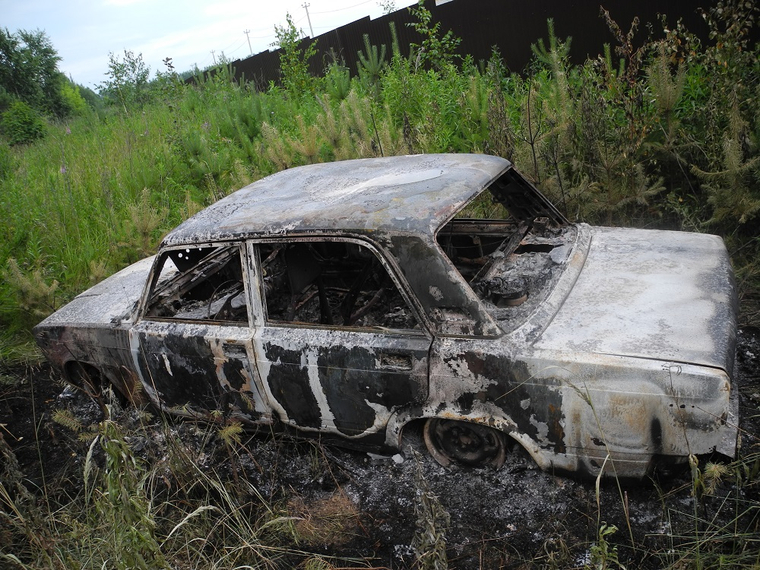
{"x":294,"y":61}
{"x":371,"y":63}
{"x":436,"y":49}
{"x":29,"y":71}
{"x":21,"y":124}
{"x":127,"y":84}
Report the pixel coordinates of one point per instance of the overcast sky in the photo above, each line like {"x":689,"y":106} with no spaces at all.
{"x":84,"y":32}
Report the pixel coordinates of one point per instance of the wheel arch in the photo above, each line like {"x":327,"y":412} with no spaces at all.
{"x":80,"y":373}
{"x":84,"y":376}
{"x":485,"y":415}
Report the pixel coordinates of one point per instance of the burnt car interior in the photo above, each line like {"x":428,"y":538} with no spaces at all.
{"x":332,"y":283}
{"x":508,"y":244}
{"x":200,"y":284}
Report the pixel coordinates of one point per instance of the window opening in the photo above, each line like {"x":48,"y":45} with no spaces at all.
{"x":200,"y":284}
{"x":510,"y":245}
{"x":331,"y":283}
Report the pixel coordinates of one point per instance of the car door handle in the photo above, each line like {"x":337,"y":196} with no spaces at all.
{"x":395,"y":362}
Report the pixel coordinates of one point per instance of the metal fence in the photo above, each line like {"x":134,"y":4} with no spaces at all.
{"x":509,"y":25}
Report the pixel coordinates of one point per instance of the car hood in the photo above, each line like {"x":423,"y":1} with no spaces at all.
{"x":650,"y":294}
{"x":110,"y":300}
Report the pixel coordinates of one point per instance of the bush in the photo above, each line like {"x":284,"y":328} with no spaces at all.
{"x":21,"y":124}
{"x":73,"y":99}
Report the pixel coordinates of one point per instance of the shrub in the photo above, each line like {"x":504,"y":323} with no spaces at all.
{"x":294,"y":60}
{"x":73,"y":99}
{"x":21,"y":124}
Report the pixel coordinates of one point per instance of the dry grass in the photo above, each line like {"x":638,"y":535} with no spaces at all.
{"x":331,"y":521}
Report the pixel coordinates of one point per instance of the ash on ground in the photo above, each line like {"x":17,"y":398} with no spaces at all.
{"x":516,"y":517}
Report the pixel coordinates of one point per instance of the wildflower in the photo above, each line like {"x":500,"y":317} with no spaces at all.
{"x":63,"y":170}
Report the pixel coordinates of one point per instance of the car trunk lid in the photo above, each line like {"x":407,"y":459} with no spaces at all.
{"x":650,"y":294}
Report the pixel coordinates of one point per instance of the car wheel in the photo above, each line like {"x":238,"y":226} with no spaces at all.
{"x":467,"y":443}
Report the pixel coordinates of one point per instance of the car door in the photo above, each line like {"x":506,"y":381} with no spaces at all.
{"x":193,"y":343}
{"x":341,"y":347}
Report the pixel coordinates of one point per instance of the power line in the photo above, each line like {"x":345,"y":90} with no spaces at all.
{"x":233,"y":42}
{"x":346,"y":8}
{"x":269,"y":35}
{"x":234,"y":50}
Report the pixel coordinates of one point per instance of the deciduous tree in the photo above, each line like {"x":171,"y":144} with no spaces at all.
{"x":29,"y":72}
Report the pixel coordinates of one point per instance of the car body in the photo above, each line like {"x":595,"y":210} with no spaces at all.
{"x":352,"y":299}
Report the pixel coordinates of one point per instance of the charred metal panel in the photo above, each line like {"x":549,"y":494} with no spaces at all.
{"x":106,"y":304}
{"x":664,"y":295}
{"x":450,"y":303}
{"x":465,"y":374}
{"x":398,"y":194}
{"x":289,"y":384}
{"x":103,"y":347}
{"x":342,"y":381}
{"x":355,"y":393}
{"x":203,"y":368}
{"x":93,"y":328}
{"x":573,"y":410}
{"x":635,"y":411}
{"x":180,"y":370}
{"x":536,"y":408}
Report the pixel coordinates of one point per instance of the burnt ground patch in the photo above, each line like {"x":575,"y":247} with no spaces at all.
{"x":352,"y":504}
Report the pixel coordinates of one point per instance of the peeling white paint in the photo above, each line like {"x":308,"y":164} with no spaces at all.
{"x":436,"y":293}
{"x":328,"y":418}
{"x":167,"y":365}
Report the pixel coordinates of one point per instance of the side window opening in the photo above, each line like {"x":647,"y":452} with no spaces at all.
{"x":200,"y":284}
{"x":331,"y":283}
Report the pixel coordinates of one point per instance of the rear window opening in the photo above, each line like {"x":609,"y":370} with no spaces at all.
{"x":506,"y":249}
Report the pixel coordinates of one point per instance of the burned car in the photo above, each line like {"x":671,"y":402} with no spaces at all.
{"x":354,"y":299}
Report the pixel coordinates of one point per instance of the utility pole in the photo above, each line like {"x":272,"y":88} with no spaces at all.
{"x":213,"y":56}
{"x":246,"y":32}
{"x":306,"y":7}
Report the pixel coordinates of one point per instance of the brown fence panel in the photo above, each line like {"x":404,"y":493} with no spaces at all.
{"x":510,"y":25}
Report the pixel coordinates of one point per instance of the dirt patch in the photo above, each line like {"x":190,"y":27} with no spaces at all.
{"x":383,"y":509}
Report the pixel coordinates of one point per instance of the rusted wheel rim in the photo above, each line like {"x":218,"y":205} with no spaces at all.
{"x":464,"y":442}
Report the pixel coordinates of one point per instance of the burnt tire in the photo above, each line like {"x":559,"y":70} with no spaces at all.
{"x":466,"y":443}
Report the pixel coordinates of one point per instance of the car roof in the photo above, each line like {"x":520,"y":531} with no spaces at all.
{"x":400,"y":194}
